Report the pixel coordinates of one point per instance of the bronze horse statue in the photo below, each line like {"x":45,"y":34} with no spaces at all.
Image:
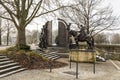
{"x":82,"y":36}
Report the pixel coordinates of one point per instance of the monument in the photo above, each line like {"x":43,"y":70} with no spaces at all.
{"x":61,"y":40}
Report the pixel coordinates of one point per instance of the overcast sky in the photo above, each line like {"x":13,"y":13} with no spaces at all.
{"x":115,"y":4}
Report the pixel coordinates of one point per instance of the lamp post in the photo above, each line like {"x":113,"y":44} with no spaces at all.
{"x":77,"y":64}
{"x":37,"y":34}
{"x":0,"y":31}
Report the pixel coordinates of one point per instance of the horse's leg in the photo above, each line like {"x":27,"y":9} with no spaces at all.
{"x":92,"y":41}
{"x":77,"y":45}
{"x":89,"y":44}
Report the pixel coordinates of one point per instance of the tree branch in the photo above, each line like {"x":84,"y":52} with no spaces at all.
{"x":6,"y":18}
{"x":10,"y":12}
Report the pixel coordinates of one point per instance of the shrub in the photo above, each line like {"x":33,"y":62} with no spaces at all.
{"x":3,"y":52}
{"x":29,"y":59}
{"x":115,"y":57}
{"x":17,"y":48}
{"x":23,"y":47}
{"x":22,"y":58}
{"x":11,"y":54}
{"x":12,"y":49}
{"x":35,"y":56}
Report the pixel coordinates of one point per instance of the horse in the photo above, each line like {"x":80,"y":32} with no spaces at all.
{"x":81,"y":36}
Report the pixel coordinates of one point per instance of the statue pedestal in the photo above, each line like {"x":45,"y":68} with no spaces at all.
{"x":79,"y":55}
{"x":82,"y":55}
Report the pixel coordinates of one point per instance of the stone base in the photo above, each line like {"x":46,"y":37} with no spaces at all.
{"x":82,"y":55}
{"x":58,"y":49}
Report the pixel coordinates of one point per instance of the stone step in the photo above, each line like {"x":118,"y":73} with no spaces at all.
{"x":58,"y":49}
{"x":12,"y":72}
{"x":4,"y":59}
{"x":7,"y":65}
{"x":1,"y":57}
{"x":9,"y":69}
{"x":117,"y":63}
{"x":6,"y":62}
{"x":50,"y":56}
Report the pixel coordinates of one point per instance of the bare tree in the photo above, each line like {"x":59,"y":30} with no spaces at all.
{"x":8,"y":34}
{"x":6,"y":28}
{"x":22,"y":12}
{"x":101,"y":38}
{"x":115,"y":39}
{"x":91,"y":14}
{"x":31,"y":37}
{"x":9,"y":28}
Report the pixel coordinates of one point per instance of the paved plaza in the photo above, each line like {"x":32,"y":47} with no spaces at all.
{"x":104,"y":71}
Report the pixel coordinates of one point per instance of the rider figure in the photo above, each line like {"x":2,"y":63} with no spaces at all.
{"x":83,"y":34}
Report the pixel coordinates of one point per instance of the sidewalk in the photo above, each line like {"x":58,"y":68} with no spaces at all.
{"x":4,"y":47}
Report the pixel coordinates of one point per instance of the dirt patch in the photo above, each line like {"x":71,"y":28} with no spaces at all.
{"x":46,"y":65}
{"x":31,"y":59}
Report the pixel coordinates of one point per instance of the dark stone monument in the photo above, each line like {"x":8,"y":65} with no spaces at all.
{"x":45,"y":36}
{"x":49,"y":32}
{"x":62,"y":38}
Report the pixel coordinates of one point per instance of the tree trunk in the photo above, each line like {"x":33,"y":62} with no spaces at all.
{"x":8,"y":32}
{"x":21,"y":38}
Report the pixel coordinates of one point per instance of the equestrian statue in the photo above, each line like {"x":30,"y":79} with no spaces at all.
{"x":82,"y":36}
